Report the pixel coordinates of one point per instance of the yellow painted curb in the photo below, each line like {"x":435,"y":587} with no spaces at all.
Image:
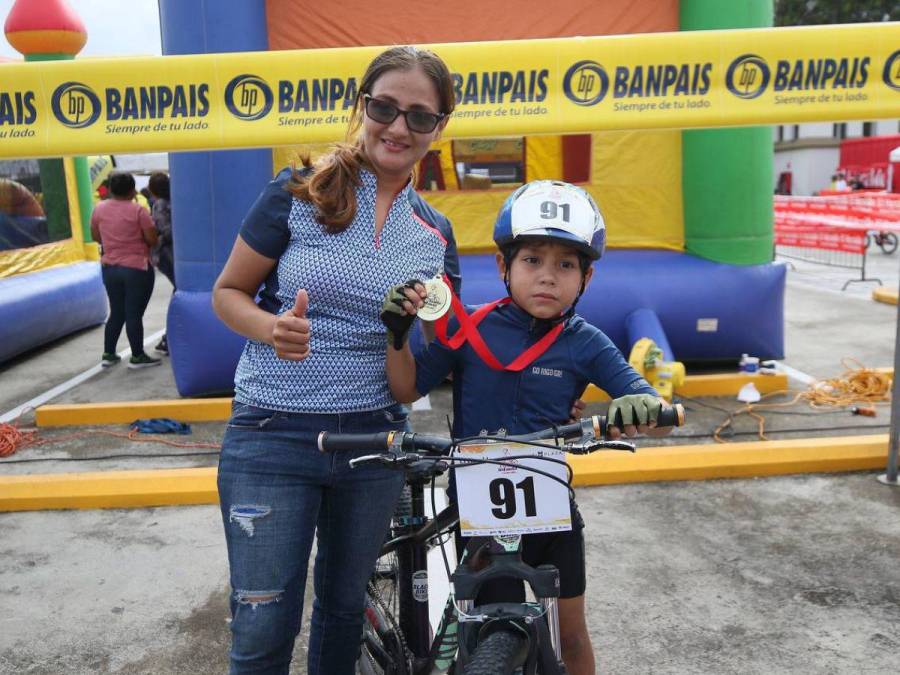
{"x":125,"y":412}
{"x":717,"y":384}
{"x":169,"y":487}
{"x":733,"y":460}
{"x":885,"y":295}
{"x":219,"y":409}
{"x":109,"y":489}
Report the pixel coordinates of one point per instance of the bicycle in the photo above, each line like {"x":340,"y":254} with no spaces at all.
{"x":474,"y":640}
{"x":886,"y":241}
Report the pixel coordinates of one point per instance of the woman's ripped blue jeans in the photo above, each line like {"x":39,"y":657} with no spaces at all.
{"x":276,"y":491}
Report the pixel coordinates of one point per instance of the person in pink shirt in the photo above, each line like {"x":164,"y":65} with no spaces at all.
{"x":126,"y":233}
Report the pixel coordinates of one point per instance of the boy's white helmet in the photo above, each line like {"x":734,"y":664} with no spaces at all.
{"x":554,"y":210}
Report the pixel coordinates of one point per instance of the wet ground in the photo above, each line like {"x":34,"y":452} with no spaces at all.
{"x":792,"y":574}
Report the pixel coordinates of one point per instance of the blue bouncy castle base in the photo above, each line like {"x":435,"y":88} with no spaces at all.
{"x":204,"y":353}
{"x":40,"y":307}
{"x":709,"y":311}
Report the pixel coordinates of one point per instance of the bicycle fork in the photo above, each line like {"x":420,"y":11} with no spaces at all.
{"x":544,"y":582}
{"x":550,"y":606}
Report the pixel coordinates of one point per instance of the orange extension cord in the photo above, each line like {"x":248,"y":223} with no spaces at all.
{"x":13,"y":439}
{"x":855,"y":385}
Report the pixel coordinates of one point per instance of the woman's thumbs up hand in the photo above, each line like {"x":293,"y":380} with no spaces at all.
{"x":290,"y":336}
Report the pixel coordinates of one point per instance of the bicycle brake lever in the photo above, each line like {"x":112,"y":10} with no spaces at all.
{"x":616,"y":445}
{"x":587,"y":447}
{"x":388,"y":459}
{"x":365,"y":459}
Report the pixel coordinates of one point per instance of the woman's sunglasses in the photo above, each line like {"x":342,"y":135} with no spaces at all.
{"x":419,"y":121}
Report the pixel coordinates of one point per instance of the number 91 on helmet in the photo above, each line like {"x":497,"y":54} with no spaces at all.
{"x":550,"y":209}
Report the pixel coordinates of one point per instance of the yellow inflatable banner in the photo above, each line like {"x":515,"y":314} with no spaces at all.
{"x":573,"y":85}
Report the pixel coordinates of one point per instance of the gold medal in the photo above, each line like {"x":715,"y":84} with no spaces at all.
{"x":437,"y":302}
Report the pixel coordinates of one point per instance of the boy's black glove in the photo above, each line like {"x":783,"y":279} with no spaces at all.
{"x":394,"y":317}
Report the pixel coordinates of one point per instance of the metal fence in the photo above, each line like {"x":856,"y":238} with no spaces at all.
{"x":834,"y":246}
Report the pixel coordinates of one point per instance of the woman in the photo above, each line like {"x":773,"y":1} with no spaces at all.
{"x":125,"y":233}
{"x":324,"y":243}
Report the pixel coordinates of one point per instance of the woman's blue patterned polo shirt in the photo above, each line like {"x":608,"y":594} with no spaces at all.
{"x":346,"y":276}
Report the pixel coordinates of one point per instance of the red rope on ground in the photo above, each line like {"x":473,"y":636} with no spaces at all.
{"x":13,"y":439}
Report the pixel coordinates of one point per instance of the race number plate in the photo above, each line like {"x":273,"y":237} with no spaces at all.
{"x":496,"y":500}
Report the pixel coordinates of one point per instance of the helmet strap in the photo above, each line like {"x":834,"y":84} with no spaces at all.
{"x":509,"y":252}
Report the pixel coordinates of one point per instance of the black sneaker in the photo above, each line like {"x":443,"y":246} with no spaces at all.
{"x":143,"y":361}
{"x":162,"y":346}
{"x":109,"y":359}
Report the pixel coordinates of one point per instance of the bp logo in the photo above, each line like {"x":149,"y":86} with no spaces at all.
{"x":747,"y":76}
{"x":586,"y":83}
{"x":248,"y":97}
{"x":75,"y":105}
{"x":892,"y":71}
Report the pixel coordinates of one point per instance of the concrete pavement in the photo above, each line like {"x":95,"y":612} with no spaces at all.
{"x":792,"y":574}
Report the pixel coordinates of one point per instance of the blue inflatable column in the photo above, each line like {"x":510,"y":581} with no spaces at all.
{"x":210,"y":193}
{"x":643,"y":323}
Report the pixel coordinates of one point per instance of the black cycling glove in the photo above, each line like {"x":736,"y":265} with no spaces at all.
{"x":394,"y":317}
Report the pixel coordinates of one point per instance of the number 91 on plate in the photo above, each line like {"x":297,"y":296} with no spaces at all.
{"x":497,"y":499}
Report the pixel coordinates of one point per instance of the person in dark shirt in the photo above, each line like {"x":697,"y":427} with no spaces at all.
{"x":163,"y":254}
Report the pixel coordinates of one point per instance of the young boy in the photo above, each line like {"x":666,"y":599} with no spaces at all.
{"x":549,"y":233}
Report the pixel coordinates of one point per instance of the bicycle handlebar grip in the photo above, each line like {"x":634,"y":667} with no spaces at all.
{"x":377,"y":442}
{"x":669,"y":416}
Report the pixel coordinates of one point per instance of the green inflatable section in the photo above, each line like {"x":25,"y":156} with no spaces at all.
{"x":82,"y":181}
{"x":55,"y":199}
{"x":727,"y":175}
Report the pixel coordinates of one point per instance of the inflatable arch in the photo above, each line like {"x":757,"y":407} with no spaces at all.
{"x":689,"y":213}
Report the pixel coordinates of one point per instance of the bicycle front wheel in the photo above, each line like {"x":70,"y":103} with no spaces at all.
{"x":499,"y":653}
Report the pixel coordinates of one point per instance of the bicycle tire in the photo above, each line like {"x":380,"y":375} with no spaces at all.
{"x":387,"y":567}
{"x":383,"y":650}
{"x":888,"y":243}
{"x":500,"y":653}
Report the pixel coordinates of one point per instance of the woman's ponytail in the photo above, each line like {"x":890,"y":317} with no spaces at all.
{"x":330,"y":185}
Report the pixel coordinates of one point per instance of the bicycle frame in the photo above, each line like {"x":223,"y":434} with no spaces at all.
{"x":411,"y":547}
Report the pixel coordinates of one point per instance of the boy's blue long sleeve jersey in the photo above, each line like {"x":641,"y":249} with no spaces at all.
{"x":542,"y":393}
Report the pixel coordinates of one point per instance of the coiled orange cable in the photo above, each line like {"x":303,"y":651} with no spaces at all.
{"x":855,"y":385}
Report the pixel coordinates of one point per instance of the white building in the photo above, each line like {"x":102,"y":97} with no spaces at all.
{"x":811,"y":151}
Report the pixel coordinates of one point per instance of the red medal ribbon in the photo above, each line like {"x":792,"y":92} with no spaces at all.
{"x":468,"y":330}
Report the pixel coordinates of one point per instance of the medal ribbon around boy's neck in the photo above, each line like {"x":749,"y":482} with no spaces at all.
{"x":468,"y":330}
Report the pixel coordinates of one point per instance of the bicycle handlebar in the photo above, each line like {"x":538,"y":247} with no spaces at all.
{"x":587,"y":428}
